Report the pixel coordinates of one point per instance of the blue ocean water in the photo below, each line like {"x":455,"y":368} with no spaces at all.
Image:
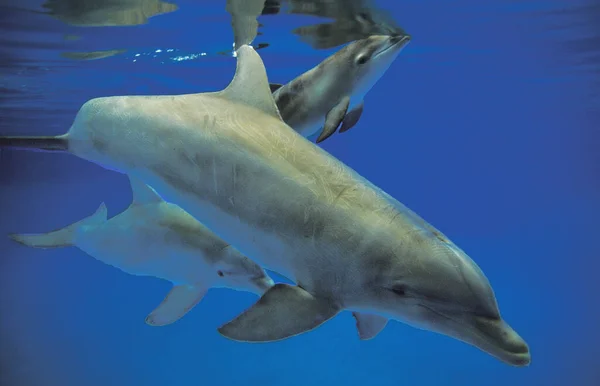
{"x":486,"y":125}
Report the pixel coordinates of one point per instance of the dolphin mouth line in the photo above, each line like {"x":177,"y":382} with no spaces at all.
{"x":405,"y":39}
{"x":400,"y":43}
{"x":517,"y":356}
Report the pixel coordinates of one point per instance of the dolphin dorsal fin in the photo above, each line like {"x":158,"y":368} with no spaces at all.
{"x":250,"y":84}
{"x":143,"y":193}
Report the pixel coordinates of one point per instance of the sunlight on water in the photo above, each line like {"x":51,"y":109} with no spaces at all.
{"x":166,"y":54}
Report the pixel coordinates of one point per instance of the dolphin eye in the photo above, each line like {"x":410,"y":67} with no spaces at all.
{"x":399,"y":290}
{"x":362,"y":59}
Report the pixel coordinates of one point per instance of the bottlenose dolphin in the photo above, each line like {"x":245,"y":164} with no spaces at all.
{"x":155,"y":238}
{"x":332,"y":93}
{"x":229,"y":160}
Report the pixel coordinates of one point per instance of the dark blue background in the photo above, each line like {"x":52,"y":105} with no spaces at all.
{"x":486,"y":125}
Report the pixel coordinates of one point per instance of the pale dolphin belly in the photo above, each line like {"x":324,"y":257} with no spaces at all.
{"x":260,"y":186}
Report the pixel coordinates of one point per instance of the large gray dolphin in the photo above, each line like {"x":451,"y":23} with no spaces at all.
{"x":229,"y":160}
{"x":155,"y":238}
{"x":333,"y":92}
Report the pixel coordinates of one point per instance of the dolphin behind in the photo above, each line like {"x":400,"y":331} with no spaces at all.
{"x":155,"y":238}
{"x":332,"y":93}
{"x":323,"y":98}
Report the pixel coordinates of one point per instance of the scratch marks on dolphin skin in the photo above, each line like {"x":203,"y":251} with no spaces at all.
{"x":439,"y":235}
{"x":314,"y":223}
{"x":310,"y":184}
{"x":339,"y":195}
{"x":394,"y":217}
{"x":209,"y":123}
{"x":214,"y":173}
{"x":234,"y":171}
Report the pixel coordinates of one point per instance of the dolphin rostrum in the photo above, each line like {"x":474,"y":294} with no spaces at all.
{"x":229,"y":160}
{"x":332,"y":93}
{"x":155,"y":238}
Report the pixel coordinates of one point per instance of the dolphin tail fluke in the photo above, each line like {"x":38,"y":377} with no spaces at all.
{"x":36,"y":143}
{"x":63,"y":237}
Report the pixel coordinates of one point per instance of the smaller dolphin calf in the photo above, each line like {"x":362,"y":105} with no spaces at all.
{"x":155,"y":238}
{"x":332,"y":93}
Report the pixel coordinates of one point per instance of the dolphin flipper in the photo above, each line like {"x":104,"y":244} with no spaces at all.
{"x":335,"y":116}
{"x":352,"y":117}
{"x":177,"y":303}
{"x":283,"y":311}
{"x":369,"y":325}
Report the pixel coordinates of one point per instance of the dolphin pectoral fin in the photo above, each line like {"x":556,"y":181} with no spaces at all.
{"x":352,"y":117}
{"x":176,"y":304}
{"x":283,"y":311}
{"x":335,"y":116}
{"x":369,"y":325}
{"x":275,"y":86}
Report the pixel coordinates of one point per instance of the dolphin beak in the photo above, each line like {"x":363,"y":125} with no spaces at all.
{"x":508,"y":345}
{"x":399,"y":39}
{"x":393,"y":43}
{"x":490,"y":334}
{"x":264,"y":284}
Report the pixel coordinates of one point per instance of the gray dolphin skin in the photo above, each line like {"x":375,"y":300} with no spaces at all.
{"x":155,"y":238}
{"x":229,"y":160}
{"x":332,"y":93}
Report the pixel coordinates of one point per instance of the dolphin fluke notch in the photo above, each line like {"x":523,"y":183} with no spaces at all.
{"x":36,"y":143}
{"x":63,"y":237}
